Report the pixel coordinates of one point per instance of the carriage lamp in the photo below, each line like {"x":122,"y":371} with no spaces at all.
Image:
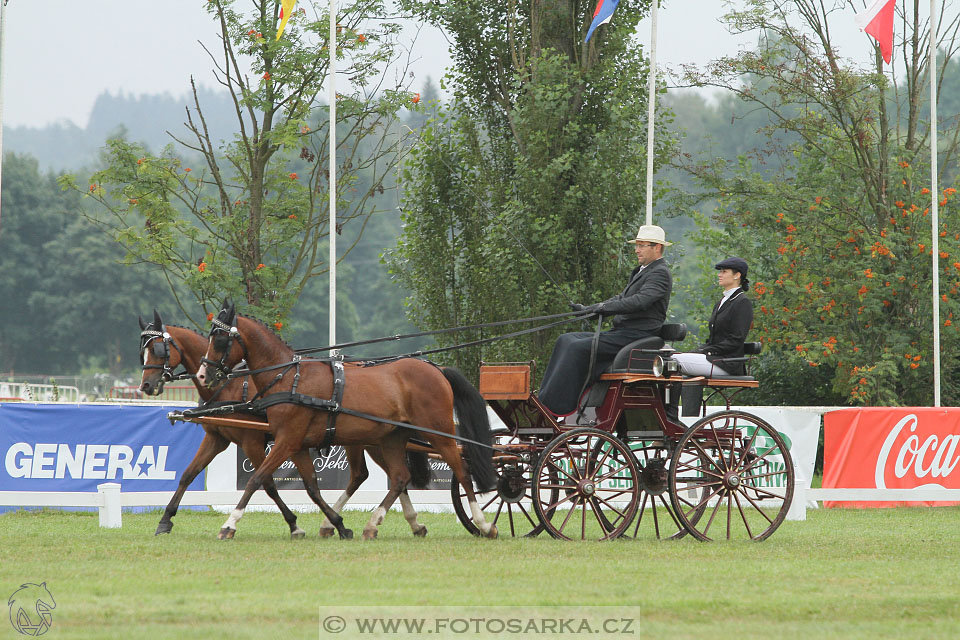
{"x":665,"y":367}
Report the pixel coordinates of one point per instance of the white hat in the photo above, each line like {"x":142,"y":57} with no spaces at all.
{"x":650,"y":233}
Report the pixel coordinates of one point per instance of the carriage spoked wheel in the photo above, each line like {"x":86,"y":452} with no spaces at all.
{"x":510,"y":505}
{"x":598,"y":486}
{"x":655,"y":514}
{"x":731,"y":477}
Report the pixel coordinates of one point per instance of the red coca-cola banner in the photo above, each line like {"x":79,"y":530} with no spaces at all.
{"x":891,"y":448}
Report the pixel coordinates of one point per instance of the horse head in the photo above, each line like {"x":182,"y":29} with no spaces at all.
{"x":159,"y":360}
{"x":225,"y":348}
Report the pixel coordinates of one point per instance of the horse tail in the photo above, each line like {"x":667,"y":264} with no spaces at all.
{"x":474,"y":424}
{"x":420,"y":472}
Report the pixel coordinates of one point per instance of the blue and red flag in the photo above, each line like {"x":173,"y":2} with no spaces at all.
{"x":602,"y":15}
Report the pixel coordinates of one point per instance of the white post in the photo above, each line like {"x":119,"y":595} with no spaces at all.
{"x":651,"y":107}
{"x":934,"y":197}
{"x":333,"y":175}
{"x":110,"y":509}
{"x":798,"y":507}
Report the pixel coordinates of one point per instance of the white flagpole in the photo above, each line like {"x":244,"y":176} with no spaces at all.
{"x":652,"y":107}
{"x":333,"y":175}
{"x":934,"y":203}
{"x":3,"y":25}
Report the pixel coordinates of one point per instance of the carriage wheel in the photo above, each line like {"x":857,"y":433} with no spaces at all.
{"x":511,"y":503}
{"x":597,"y":495}
{"x":731,"y":477}
{"x":655,"y":513}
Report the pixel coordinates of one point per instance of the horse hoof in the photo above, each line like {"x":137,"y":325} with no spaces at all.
{"x":421,"y":532}
{"x":369,"y":534}
{"x":226,"y":533}
{"x":162,"y":528}
{"x":298,"y":534}
{"x":493,"y":533}
{"x":326,"y":533}
{"x":347,"y":534}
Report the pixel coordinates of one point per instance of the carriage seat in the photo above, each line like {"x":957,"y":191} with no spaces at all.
{"x":636,"y":356}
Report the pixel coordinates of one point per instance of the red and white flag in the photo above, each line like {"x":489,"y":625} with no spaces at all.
{"x":877,"y":21}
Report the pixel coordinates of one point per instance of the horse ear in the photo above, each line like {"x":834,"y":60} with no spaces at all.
{"x":233,"y":313}
{"x":157,"y":322}
{"x":143,"y":325}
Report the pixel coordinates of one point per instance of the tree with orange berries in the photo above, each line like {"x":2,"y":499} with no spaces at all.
{"x":834,"y":213}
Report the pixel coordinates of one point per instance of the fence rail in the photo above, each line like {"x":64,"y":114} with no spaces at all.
{"x":110,"y":500}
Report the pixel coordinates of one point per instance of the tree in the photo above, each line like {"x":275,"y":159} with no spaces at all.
{"x":248,"y":217}
{"x":521,"y":193}
{"x":832,"y":210}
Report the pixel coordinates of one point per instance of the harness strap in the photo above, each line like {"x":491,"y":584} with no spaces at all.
{"x":287,"y":397}
{"x":339,"y":380}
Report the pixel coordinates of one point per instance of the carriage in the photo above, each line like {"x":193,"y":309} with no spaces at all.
{"x":621,"y":468}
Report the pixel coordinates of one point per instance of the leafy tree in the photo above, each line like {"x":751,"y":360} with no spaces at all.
{"x":537,"y":165}
{"x":833,"y":210}
{"x":247,"y":217}
{"x":69,"y":304}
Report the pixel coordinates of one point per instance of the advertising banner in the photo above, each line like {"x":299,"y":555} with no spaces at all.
{"x":891,"y":448}
{"x":54,"y":447}
{"x":333,"y":472}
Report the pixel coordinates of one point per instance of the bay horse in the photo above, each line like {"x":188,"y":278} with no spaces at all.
{"x":164,"y":348}
{"x":405,"y":390}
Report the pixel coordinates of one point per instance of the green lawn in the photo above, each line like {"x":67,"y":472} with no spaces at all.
{"x":842,"y":573}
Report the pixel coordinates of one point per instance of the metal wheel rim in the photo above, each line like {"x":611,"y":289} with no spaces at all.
{"x":597,"y":498}
{"x":518,"y":519}
{"x":743,"y":467}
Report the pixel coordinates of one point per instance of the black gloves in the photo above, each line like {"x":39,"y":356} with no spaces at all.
{"x":596,"y":309}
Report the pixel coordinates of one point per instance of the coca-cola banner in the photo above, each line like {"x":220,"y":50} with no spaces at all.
{"x":891,"y":448}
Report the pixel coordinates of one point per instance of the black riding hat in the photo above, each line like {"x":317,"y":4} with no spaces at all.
{"x":737,"y":264}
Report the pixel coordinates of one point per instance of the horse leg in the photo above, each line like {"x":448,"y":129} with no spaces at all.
{"x":358,"y":475}
{"x":212,"y":444}
{"x":409,"y":512}
{"x":280,"y":452}
{"x":451,"y":455}
{"x":304,"y":463}
{"x":396,"y":467}
{"x":252,"y":445}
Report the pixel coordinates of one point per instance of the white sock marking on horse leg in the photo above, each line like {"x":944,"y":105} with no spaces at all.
{"x":231,"y":522}
{"x":478,"y":518}
{"x":409,"y":512}
{"x":377,"y":518}
{"x":337,"y":506}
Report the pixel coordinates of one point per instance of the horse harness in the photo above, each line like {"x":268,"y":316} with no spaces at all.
{"x":161,"y":341}
{"x":262,"y":400}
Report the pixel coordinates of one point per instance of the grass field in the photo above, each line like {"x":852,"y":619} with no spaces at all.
{"x":842,"y":573}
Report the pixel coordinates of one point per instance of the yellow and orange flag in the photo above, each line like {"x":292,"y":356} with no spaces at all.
{"x":286,"y":10}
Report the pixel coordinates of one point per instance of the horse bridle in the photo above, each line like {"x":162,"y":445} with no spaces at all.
{"x":221,"y":370}
{"x":161,"y":349}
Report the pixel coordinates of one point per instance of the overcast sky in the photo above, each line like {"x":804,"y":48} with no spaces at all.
{"x":59,"y":55}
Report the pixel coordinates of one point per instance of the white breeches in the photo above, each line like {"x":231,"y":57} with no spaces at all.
{"x":696,"y":364}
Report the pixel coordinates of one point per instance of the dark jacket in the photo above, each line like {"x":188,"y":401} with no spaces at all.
{"x":729,"y":326}
{"x":642,"y":305}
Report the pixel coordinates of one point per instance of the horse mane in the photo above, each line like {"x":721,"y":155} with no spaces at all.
{"x":268,"y":328}
{"x":177,"y":326}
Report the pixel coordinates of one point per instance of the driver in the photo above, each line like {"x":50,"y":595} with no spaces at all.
{"x":638,"y":312}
